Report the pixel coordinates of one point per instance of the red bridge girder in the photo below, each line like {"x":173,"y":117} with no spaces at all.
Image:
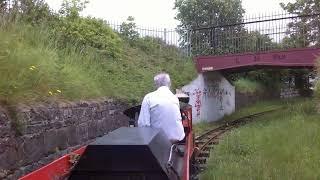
{"x":292,"y":58}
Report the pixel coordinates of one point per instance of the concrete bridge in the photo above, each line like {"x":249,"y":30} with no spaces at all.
{"x":213,"y":96}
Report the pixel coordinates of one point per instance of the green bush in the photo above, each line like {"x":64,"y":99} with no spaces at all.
{"x":90,"y":32}
{"x":248,"y":86}
{"x":317,"y":87}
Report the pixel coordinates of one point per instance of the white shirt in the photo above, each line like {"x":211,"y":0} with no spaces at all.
{"x":160,"y":109}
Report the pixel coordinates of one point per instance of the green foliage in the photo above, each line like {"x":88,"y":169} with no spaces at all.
{"x":90,"y":32}
{"x":248,"y":86}
{"x":35,"y":68}
{"x":280,"y":145}
{"x":204,"y":13}
{"x":34,"y":12}
{"x":245,"y":111}
{"x":269,"y":80}
{"x":3,"y":5}
{"x":317,"y":85}
{"x":128,"y":29}
{"x":304,"y":31}
{"x":85,"y":32}
{"x":72,"y":8}
{"x":70,"y":57}
{"x":194,"y":14}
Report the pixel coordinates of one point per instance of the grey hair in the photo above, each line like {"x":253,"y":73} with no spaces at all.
{"x":162,"y":79}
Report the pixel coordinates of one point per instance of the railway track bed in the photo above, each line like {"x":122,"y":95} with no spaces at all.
{"x":206,"y":141}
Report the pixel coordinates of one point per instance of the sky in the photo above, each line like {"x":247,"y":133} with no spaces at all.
{"x":156,"y":13}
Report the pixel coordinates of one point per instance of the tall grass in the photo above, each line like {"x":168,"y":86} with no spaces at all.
{"x":244,"y":85}
{"x":34,"y":68}
{"x":280,"y":145}
{"x":254,"y":108}
{"x":317,"y":85}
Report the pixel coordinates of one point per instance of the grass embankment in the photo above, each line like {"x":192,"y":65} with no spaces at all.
{"x":35,"y":68}
{"x":254,"y":108}
{"x":280,"y":145}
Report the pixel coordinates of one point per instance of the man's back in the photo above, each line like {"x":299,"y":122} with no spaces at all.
{"x":160,"y":109}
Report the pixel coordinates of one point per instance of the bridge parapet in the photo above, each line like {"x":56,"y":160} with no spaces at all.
{"x":293,"y":58}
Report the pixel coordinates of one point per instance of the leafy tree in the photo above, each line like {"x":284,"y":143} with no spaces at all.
{"x":3,"y":5}
{"x":72,"y":8}
{"x":195,"y":14}
{"x":128,"y":29}
{"x":32,"y":11}
{"x":303,"y":31}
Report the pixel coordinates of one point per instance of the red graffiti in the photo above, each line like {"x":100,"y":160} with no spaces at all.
{"x":197,"y":105}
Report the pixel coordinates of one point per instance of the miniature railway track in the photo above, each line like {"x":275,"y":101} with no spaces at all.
{"x":207,"y":140}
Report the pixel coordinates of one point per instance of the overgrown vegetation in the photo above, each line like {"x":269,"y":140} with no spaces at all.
{"x":254,"y":108}
{"x":280,"y":145}
{"x":65,"y":56}
{"x":248,"y":86}
{"x":317,"y":86}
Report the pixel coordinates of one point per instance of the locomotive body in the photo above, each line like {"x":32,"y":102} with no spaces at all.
{"x":127,"y":153}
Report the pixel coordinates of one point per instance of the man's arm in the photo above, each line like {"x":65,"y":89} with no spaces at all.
{"x":144,"y":116}
{"x":180,"y":129}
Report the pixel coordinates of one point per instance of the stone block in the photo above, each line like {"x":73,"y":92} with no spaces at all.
{"x":92,"y":129}
{"x":50,"y":141}
{"x":33,"y":148}
{"x":73,"y":138}
{"x":112,"y":112}
{"x":70,"y":121}
{"x":32,"y":129}
{"x":79,"y":112}
{"x":3,"y":118}
{"x":97,"y":115}
{"x":82,"y":132}
{"x":67,"y":113}
{"x":58,"y":124}
{"x":5,"y":131}
{"x":102,"y":128}
{"x":62,"y":138}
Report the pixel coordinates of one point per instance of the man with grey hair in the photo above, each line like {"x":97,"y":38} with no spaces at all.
{"x":160,"y":109}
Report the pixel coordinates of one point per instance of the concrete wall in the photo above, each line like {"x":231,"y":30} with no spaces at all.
{"x":51,"y":130}
{"x":211,"y":97}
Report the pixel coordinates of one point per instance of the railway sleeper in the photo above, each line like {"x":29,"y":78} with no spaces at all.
{"x":204,"y":154}
{"x":202,"y":160}
{"x":202,"y":167}
{"x":207,"y":148}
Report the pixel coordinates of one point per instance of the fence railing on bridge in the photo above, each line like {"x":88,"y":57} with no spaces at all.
{"x":169,"y":36}
{"x":277,"y":31}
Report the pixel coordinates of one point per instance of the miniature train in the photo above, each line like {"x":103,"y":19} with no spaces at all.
{"x":129,"y":153}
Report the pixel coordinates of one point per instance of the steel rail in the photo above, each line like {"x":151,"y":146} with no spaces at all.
{"x":208,"y":137}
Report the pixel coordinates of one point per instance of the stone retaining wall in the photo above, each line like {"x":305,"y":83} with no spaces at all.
{"x":45,"y":132}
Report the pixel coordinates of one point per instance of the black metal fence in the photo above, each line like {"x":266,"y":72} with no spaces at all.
{"x":260,"y":33}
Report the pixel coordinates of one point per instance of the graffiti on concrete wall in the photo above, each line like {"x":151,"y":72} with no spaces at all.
{"x":197,"y":93}
{"x":213,"y":90}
